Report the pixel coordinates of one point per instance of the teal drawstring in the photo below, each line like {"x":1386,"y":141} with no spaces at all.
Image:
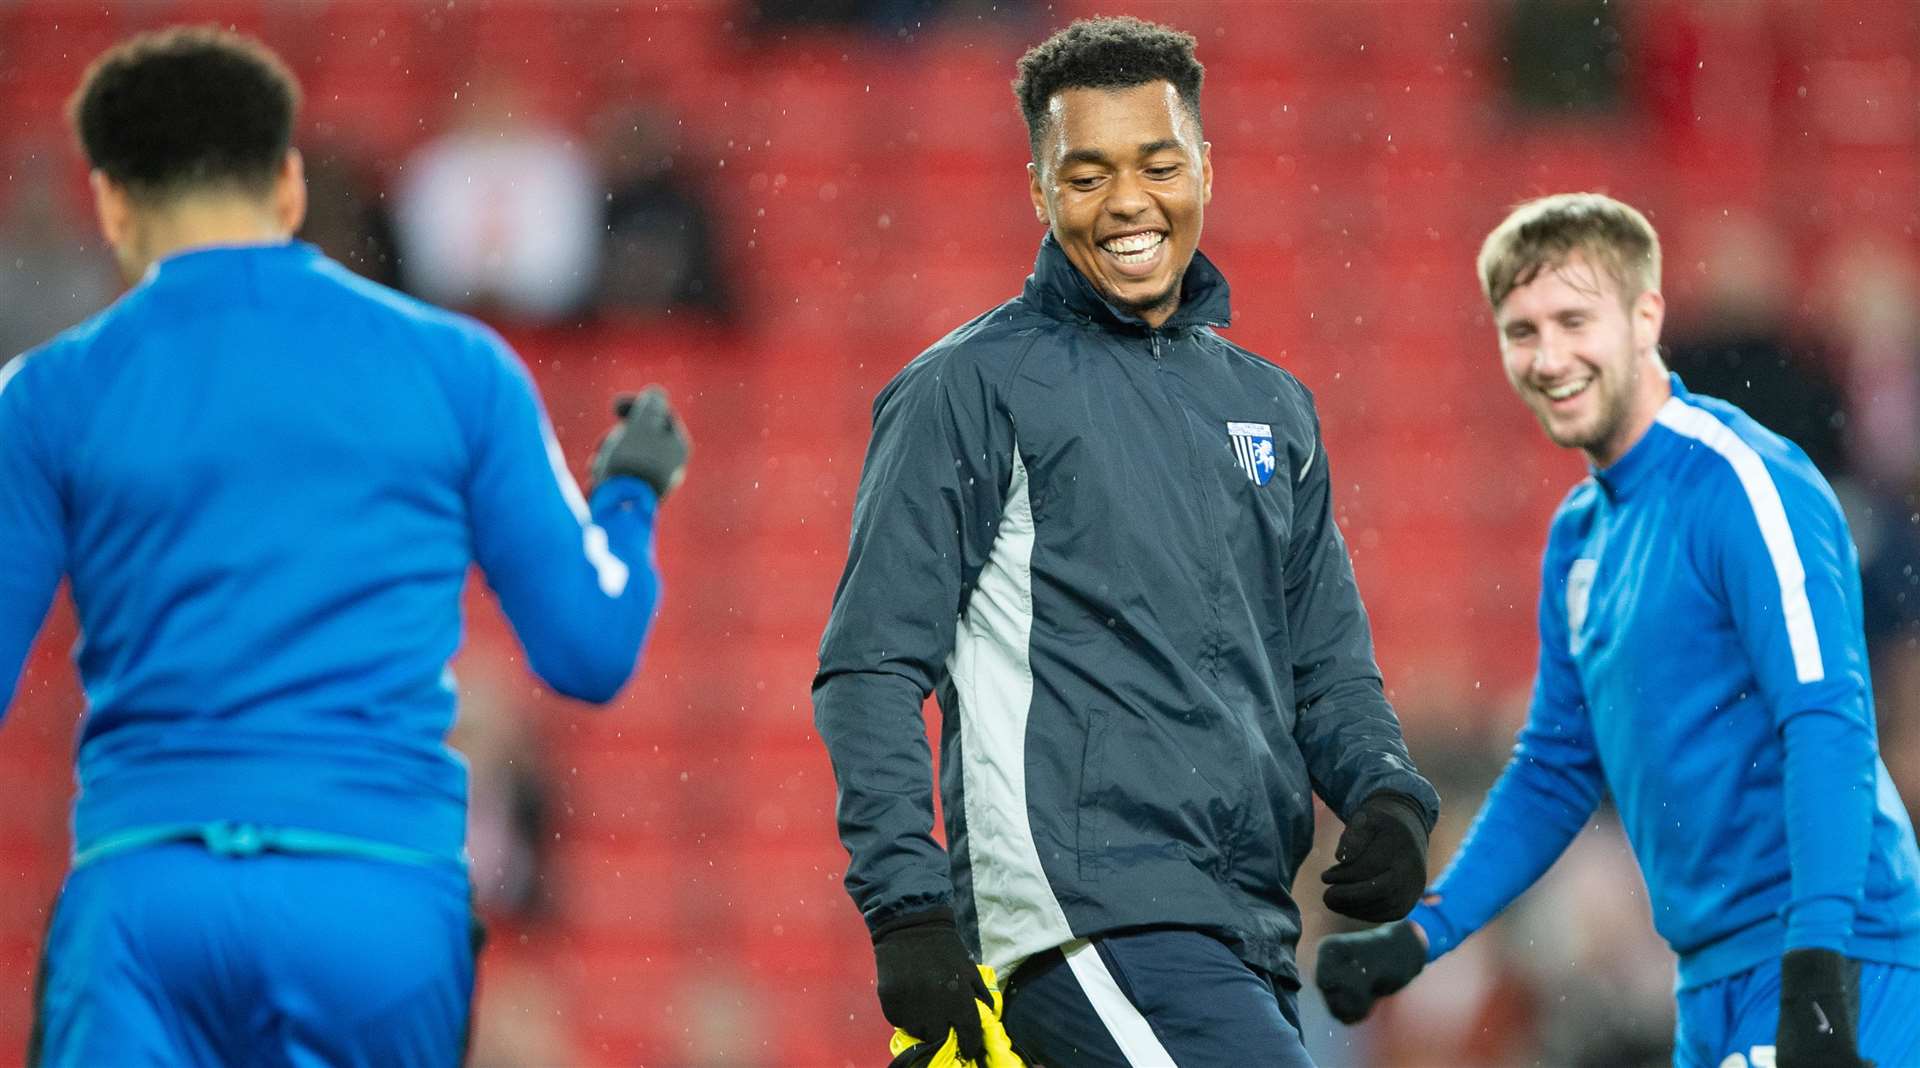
{"x":227,"y":838}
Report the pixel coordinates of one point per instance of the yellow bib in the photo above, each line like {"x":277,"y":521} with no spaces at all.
{"x":1000,"y":1052}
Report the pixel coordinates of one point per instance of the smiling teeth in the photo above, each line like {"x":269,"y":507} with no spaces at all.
{"x":1134,"y":248}
{"x":1570,"y":389}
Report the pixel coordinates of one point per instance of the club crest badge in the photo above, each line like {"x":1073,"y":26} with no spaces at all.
{"x":1253,"y":450}
{"x":1579,"y":593}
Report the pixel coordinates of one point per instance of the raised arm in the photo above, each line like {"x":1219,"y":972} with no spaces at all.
{"x":576,"y":577}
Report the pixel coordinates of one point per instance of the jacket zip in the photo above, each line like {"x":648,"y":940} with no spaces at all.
{"x":1215,"y":635}
{"x":1209,"y":651}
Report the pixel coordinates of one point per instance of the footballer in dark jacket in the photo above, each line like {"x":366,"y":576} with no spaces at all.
{"x":1103,"y":534}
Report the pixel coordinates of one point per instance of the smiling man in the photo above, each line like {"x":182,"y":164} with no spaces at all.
{"x":1103,"y":533}
{"x":1701,"y":659}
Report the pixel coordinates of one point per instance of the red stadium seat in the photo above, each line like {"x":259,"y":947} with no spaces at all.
{"x":952,"y":101}
{"x":20,"y":965}
{"x":1868,"y":30}
{"x":256,"y":19}
{"x":634,"y":794}
{"x":44,"y":49}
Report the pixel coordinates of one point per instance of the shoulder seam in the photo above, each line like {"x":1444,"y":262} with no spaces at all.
{"x":1770,"y":513}
{"x":1005,"y":385}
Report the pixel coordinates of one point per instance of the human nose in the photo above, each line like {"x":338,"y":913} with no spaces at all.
{"x":1128,"y":197}
{"x":1549,"y":353}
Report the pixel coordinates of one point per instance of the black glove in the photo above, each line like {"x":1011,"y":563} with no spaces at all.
{"x":648,"y":443}
{"x":1819,"y":1008}
{"x":1381,"y":861}
{"x":1355,"y":970}
{"x":928,"y":982}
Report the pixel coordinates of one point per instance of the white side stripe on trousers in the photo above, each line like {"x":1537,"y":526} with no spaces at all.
{"x":1129,"y":1029}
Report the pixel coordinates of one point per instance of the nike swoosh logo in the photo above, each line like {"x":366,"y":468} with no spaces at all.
{"x":1825,"y":1027}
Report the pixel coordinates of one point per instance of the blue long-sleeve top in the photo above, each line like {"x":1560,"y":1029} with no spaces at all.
{"x":1701,"y":660}
{"x":266,"y":480}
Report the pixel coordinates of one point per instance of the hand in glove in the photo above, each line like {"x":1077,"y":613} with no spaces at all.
{"x":648,"y":443}
{"x":1381,"y":860}
{"x":1356,"y":970}
{"x":1819,"y":1011}
{"x":927,"y":981}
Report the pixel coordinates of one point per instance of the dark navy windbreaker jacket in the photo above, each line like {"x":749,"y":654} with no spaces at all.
{"x":1111,"y":550}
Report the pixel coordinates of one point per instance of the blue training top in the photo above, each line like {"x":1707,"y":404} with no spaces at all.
{"x":267,"y":479}
{"x":1701,"y":658}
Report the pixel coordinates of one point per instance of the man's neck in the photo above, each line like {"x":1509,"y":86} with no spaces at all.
{"x":200,"y":223}
{"x":1654,"y":390}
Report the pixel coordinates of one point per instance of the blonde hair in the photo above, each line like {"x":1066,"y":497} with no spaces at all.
{"x":1540,"y":234}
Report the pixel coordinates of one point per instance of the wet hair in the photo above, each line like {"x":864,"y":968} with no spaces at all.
{"x":1105,"y":53}
{"x":1540,"y":234}
{"x":185,"y":110}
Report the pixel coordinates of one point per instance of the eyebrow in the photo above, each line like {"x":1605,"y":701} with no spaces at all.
{"x":1094,"y":155}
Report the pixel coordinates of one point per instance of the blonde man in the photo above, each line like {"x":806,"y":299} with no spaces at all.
{"x":1701,"y":659}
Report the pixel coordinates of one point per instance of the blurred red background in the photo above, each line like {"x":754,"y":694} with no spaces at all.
{"x":869,"y":194}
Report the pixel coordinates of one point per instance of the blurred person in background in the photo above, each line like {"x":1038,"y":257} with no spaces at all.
{"x":51,"y":276}
{"x":1701,"y":659}
{"x":267,"y":479}
{"x":510,"y":833}
{"x":503,"y":212}
{"x":1874,"y":304}
{"x":1875,"y":312}
{"x":510,"y":795}
{"x":1563,"y":58}
{"x":347,"y":218}
{"x":1105,"y":535}
{"x":1739,"y":346}
{"x":1588,"y":956}
{"x":900,"y":18}
{"x":659,"y":255}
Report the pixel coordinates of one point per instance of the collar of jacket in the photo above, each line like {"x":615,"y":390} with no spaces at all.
{"x":1058,"y":288}
{"x":1649,"y":458}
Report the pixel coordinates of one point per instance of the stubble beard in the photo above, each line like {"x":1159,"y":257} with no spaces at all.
{"x":1611,"y":415}
{"x":1167,"y":300}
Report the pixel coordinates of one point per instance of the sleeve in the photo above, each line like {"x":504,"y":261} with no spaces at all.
{"x":1781,"y":551}
{"x":577,"y":581}
{"x":1549,"y":789}
{"x":32,"y":526}
{"x":1344,"y":726}
{"x":928,"y":509}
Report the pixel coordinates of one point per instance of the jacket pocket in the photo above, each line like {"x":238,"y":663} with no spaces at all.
{"x":1155,"y":790}
{"x":1089,"y":810}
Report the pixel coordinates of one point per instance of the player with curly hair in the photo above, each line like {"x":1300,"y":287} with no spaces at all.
{"x":1104,"y":534}
{"x":266,"y":480}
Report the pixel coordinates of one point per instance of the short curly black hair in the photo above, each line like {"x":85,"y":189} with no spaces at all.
{"x":1105,"y":53}
{"x":186,"y":109}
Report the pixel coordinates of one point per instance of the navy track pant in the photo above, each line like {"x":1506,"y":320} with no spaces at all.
{"x":1149,"y":999}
